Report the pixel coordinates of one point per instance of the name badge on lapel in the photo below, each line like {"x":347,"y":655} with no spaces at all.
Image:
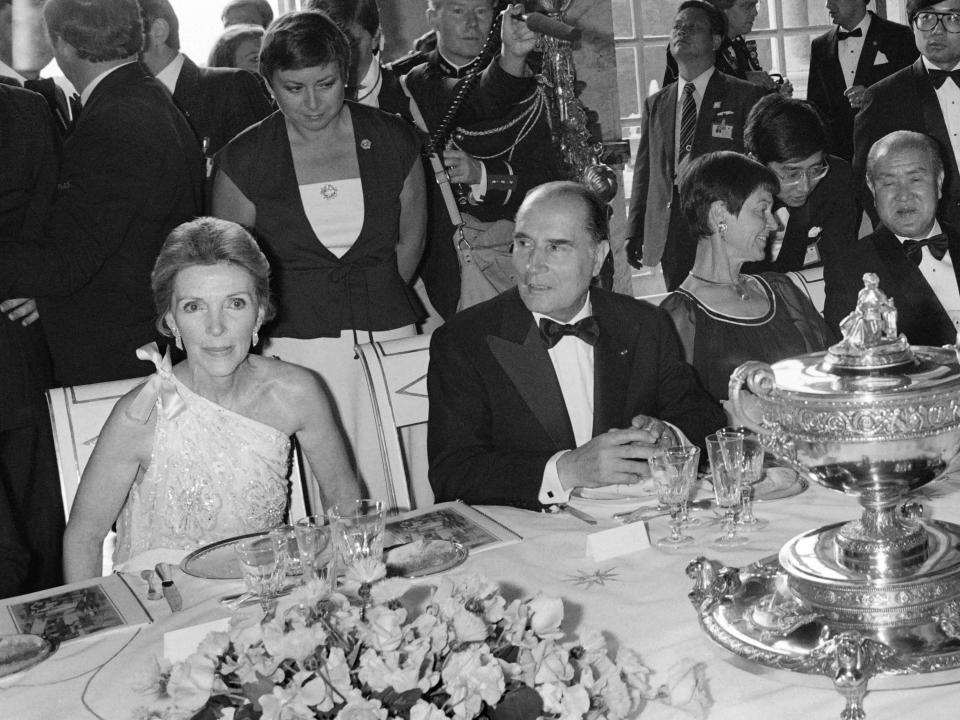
{"x":720,"y":127}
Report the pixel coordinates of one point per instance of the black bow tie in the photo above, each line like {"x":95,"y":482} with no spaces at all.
{"x":587,"y":330}
{"x":841,"y":35}
{"x":939,"y":77}
{"x":937,"y":244}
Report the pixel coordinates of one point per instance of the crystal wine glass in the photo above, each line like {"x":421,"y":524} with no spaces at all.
{"x":726,"y":459}
{"x":750,"y":468}
{"x":263,"y":562}
{"x":674,"y":470}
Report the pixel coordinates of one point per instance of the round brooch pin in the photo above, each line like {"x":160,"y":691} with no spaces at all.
{"x":328,"y":191}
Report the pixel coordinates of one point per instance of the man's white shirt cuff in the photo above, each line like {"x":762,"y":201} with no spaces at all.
{"x":551,"y":490}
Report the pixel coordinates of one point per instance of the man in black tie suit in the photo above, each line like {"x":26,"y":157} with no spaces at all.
{"x":131,"y":172}
{"x":916,"y":257}
{"x":219,"y":103}
{"x":31,"y":513}
{"x":919,"y":98}
{"x":859,"y":51}
{"x":523,"y":411}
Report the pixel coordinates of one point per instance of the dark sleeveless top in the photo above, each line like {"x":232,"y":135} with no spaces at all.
{"x":720,"y":343}
{"x":318,"y":293}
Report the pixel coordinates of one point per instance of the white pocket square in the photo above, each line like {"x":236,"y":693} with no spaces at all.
{"x":881,"y":59}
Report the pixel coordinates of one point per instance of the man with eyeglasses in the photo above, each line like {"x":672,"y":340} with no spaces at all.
{"x":704,"y":111}
{"x":816,"y":204}
{"x":915,"y":255}
{"x":860,"y":50}
{"x":924,"y":97}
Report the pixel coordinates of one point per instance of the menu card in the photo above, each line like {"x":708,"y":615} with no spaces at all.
{"x":454,"y":520}
{"x":74,"y":611}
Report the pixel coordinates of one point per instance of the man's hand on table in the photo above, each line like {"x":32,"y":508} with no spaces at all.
{"x":615,"y":457}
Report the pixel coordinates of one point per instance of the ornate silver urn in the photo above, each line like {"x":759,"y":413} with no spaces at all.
{"x":876,"y":599}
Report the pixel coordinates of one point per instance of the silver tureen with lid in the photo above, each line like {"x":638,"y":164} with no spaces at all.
{"x":877,"y":599}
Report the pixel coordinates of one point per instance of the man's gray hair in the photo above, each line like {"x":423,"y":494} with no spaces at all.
{"x":901,"y":140}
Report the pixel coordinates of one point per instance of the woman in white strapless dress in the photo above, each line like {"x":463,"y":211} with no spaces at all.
{"x":201,"y":451}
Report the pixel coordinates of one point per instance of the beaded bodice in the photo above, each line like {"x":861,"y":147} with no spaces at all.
{"x":213,"y":474}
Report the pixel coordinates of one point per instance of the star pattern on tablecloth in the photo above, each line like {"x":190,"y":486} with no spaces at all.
{"x":589,"y":578}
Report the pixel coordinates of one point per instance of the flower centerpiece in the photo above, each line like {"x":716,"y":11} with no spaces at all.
{"x":466,"y":653}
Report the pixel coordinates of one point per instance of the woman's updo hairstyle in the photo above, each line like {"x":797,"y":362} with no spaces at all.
{"x":208,"y":241}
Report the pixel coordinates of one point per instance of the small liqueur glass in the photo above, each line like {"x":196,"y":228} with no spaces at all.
{"x":751,"y":472}
{"x":674,"y":469}
{"x":726,"y":459}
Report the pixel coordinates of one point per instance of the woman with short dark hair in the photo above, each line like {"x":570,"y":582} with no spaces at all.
{"x":724,"y":317}
{"x":816,"y":204}
{"x":237,"y":47}
{"x":201,"y":452}
{"x":335,"y":192}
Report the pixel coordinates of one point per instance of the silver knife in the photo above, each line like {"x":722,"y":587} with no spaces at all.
{"x":579,"y":514}
{"x":170,"y":591}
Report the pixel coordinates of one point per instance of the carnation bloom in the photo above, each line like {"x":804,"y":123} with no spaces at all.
{"x":472,"y":677}
{"x":357,"y":708}
{"x":546,"y":614}
{"x":191,"y":682}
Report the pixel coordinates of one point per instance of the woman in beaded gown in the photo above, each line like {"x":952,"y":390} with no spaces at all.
{"x":201,"y":452}
{"x":334,"y":191}
{"x":723,"y":317}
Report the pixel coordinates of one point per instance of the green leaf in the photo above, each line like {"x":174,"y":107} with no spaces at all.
{"x":521,"y":703}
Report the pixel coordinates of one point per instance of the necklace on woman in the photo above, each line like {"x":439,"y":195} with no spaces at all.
{"x":739,"y":285}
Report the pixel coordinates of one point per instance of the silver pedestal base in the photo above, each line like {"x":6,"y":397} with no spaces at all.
{"x":755,"y":613}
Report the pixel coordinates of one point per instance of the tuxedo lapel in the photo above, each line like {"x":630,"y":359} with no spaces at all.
{"x":833,"y":71}
{"x":953,"y":240}
{"x":868,"y":55}
{"x":933,"y":122}
{"x":913,"y":285}
{"x":611,"y":369}
{"x":521,"y":353}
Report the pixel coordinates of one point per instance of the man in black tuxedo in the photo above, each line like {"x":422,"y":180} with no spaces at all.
{"x":219,"y":103}
{"x":861,"y":50}
{"x":922,"y":97}
{"x":656,"y":230}
{"x":555,"y":385}
{"x":131,"y":172}
{"x":31,"y":513}
{"x":916,"y":257}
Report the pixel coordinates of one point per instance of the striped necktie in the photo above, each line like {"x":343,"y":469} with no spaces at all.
{"x":688,"y":121}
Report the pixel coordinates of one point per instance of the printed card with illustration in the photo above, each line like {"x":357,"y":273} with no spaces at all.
{"x":74,"y":611}
{"x":455,"y":521}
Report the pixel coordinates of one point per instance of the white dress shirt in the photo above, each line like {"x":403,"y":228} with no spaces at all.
{"x":368,"y":92}
{"x":849,"y":49}
{"x":941,"y":276}
{"x":948,"y":95}
{"x":171,"y":73}
{"x":572,"y":360}
{"x":699,"y":89}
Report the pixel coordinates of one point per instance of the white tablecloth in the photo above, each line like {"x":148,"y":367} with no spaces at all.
{"x":638,"y":599}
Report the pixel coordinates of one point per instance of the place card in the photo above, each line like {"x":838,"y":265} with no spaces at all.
{"x":178,"y":645}
{"x":617,"y":541}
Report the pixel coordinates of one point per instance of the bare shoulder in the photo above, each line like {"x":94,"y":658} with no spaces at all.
{"x":125,"y":432}
{"x":285,"y":382}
